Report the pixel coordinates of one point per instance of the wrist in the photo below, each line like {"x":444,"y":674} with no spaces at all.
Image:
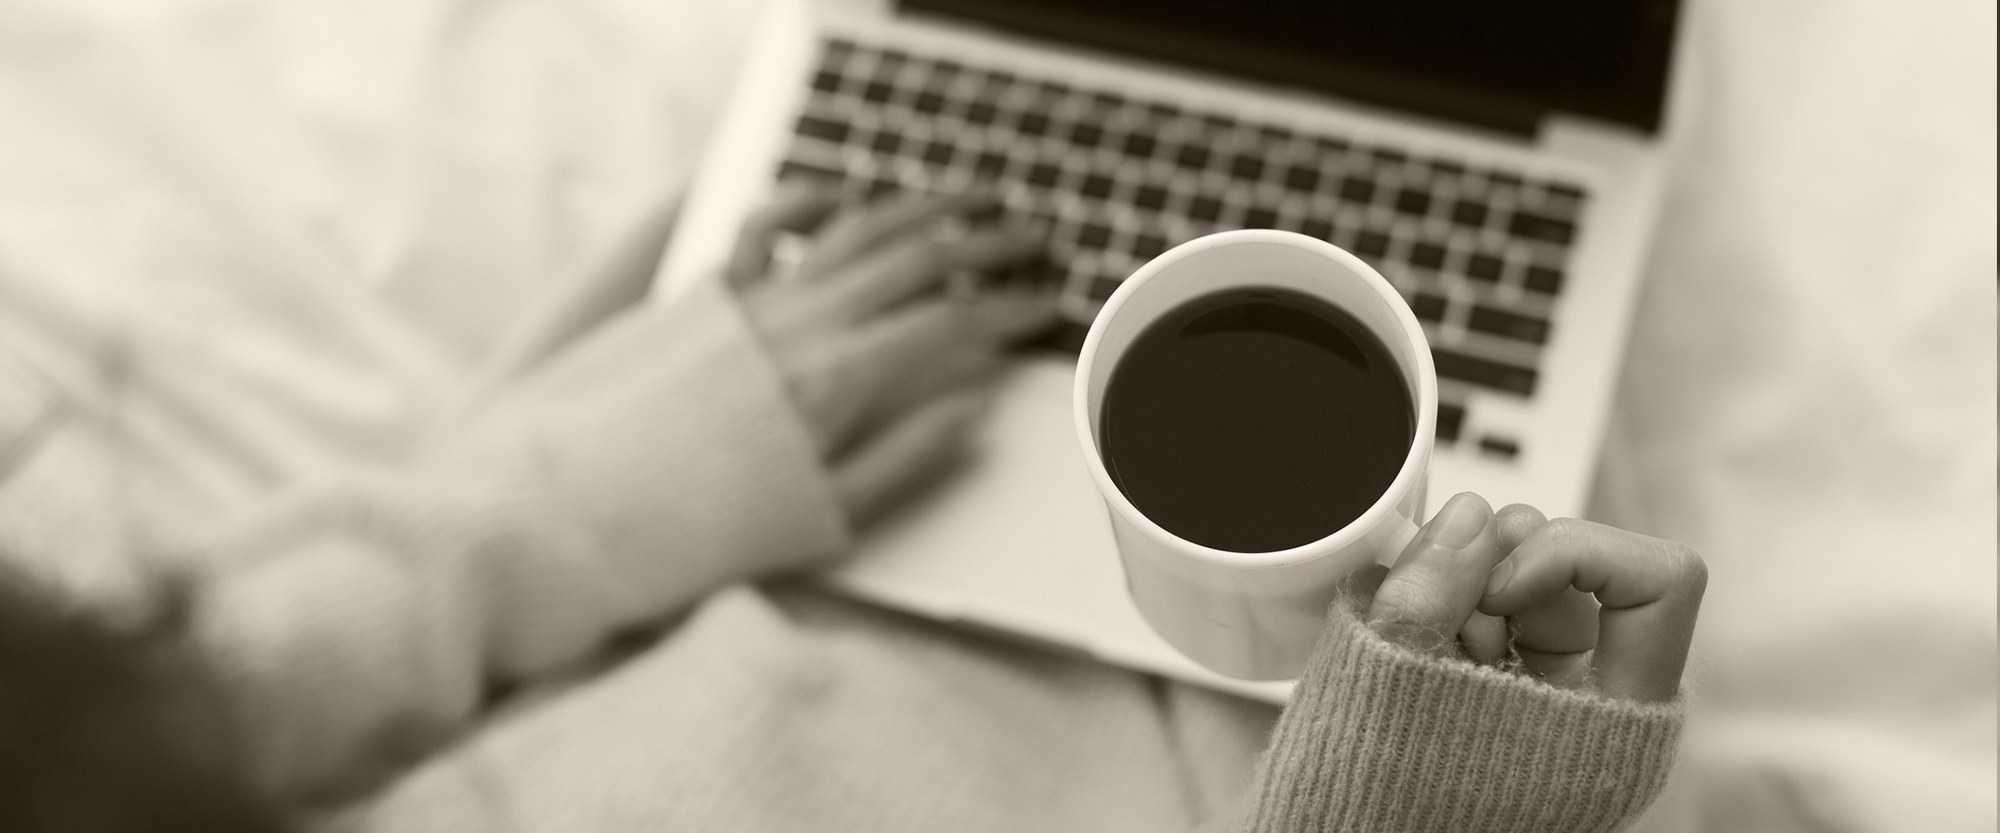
{"x":1382,"y":738}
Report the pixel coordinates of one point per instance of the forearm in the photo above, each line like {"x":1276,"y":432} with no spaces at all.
{"x":362,"y":621}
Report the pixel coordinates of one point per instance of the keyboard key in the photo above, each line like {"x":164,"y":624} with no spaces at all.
{"x":1301,"y":178}
{"x":1557,"y":208}
{"x":1544,"y":279}
{"x":876,"y":92}
{"x":879,"y":188}
{"x":938,"y":153}
{"x":1506,"y":378}
{"x":1192,"y":157}
{"x":826,"y":81}
{"x":1204,"y":209}
{"x":1428,"y":307}
{"x":1316,"y":228}
{"x":1093,"y":235}
{"x":1095,"y":186}
{"x":822,"y":128}
{"x":1086,"y":135}
{"x":1450,"y":418}
{"x":929,"y":102}
{"x":1065,"y":337}
{"x":885,"y":143}
{"x":1513,"y":325}
{"x":1037,"y":272}
{"x":1469,"y":214}
{"x":1102,"y":286}
{"x":1032,"y":124}
{"x":1043,"y":175}
{"x":1358,"y":191}
{"x":1427,"y":256}
{"x":1260,"y":217}
{"x":1148,"y":245}
{"x":989,"y":164}
{"x":1149,"y":198}
{"x":1288,"y":218}
{"x":1246,"y":167}
{"x":981,"y":112}
{"x":1539,"y":227}
{"x":1140,"y":145}
{"x":1371,"y":244}
{"x":1566,"y":189}
{"x":1493,"y":446}
{"x":1484,"y":268}
{"x":1413,"y":202}
{"x":986,"y":216}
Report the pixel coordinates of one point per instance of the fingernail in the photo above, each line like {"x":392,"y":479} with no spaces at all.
{"x":1498,"y":579}
{"x":1458,"y":522}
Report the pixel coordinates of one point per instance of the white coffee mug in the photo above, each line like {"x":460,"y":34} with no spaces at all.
{"x":1254,"y":615}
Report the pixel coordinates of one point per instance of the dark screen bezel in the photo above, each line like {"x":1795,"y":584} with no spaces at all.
{"x":1640,"y":104}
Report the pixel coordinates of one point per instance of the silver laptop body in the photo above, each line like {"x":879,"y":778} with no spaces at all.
{"x":1518,"y":245}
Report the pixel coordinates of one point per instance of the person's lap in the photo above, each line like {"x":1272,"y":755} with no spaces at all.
{"x":812,"y":712}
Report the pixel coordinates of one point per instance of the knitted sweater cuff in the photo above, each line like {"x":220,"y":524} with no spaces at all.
{"x":709,"y":459}
{"x":1382,"y":739}
{"x":668,"y":438}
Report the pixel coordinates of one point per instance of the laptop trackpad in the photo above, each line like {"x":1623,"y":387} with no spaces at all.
{"x":1017,"y":540}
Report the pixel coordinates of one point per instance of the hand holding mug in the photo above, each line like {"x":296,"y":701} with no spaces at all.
{"x":1589,"y":607}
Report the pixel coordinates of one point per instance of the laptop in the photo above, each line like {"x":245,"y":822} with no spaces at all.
{"x":1498,"y":163}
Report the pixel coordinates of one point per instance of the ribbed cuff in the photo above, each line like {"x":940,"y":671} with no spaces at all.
{"x":672,"y":442}
{"x":1383,"y":740}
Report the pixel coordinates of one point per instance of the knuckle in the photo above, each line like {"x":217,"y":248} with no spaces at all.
{"x":1565,"y":531}
{"x":1410,"y":601}
{"x":1516,"y":522}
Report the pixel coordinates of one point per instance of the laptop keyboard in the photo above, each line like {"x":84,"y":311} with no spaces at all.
{"x":1479,"y":253}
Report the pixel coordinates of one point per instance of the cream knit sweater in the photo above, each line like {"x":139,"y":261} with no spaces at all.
{"x":615,"y":504}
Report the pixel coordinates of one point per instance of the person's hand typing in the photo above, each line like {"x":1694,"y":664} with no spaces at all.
{"x":884,"y":367}
{"x":1589,"y":607}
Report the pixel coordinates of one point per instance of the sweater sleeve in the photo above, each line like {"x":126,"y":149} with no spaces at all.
{"x":1379,"y":739}
{"x":360,"y":622}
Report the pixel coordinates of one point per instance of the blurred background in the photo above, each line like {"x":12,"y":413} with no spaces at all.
{"x":309,"y":222}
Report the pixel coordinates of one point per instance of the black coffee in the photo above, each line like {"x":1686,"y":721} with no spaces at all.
{"x":1254,"y":420}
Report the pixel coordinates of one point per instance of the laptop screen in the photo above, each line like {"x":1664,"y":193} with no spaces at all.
{"x":1501,"y":64}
